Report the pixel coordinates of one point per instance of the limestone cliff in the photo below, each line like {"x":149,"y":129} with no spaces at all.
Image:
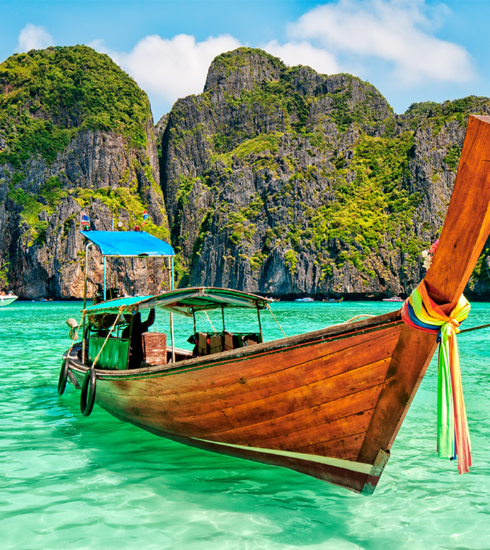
{"x":283,"y":181}
{"x":75,"y":133}
{"x":276,"y":179}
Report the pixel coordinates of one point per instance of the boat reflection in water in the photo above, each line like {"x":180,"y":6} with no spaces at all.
{"x":327,"y":403}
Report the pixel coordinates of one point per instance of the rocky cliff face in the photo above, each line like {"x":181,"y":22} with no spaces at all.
{"x":276,"y":180}
{"x":75,"y":133}
{"x":282,"y":181}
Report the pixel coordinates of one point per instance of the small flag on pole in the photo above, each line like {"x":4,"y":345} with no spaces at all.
{"x":84,"y":221}
{"x":145,"y":217}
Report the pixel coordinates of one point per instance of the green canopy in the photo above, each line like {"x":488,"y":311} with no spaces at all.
{"x":183,"y":301}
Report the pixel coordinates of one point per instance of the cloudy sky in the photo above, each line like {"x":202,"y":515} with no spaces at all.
{"x":411,"y":50}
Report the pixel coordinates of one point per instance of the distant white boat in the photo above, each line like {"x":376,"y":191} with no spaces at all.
{"x":393,"y":299}
{"x":7,"y":299}
{"x":309,"y":300}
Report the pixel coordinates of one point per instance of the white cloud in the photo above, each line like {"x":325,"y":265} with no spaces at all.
{"x":303,"y":53}
{"x":33,"y":37}
{"x":397,"y":31}
{"x":171,"y":68}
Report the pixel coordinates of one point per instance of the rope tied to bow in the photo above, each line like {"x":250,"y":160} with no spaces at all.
{"x":420,"y":312}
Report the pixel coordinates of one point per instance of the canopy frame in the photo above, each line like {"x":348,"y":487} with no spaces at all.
{"x":185,"y":301}
{"x":110,"y":254}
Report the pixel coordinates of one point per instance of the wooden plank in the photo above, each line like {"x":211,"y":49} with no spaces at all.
{"x":297,"y":406}
{"x":308,"y":410}
{"x":337,"y":429}
{"x":346,"y":448}
{"x":254,"y":435}
{"x":211,"y":401}
{"x":154,"y":348}
{"x":254,"y":381}
{"x":281,"y":426}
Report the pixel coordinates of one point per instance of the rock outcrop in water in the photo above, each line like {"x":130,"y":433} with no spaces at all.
{"x":276,"y":179}
{"x":75,"y":133}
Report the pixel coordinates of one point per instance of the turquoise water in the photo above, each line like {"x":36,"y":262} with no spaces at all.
{"x":72,"y":482}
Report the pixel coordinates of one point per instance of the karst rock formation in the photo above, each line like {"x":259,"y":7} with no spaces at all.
{"x":276,"y":180}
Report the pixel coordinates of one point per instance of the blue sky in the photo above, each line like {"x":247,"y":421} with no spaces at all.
{"x":411,"y":50}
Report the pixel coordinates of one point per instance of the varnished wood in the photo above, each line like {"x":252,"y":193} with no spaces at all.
{"x":327,"y":403}
{"x":408,"y":366}
{"x":467,"y":224}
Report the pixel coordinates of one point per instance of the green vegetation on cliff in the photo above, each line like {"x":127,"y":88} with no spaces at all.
{"x":4,"y":280}
{"x":47,"y":95}
{"x":312,"y":172}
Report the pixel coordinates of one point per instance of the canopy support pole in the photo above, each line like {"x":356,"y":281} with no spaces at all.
{"x":223,"y":317}
{"x":85,"y":278}
{"x":172,"y":315}
{"x":260,"y":325}
{"x":104,"y":283}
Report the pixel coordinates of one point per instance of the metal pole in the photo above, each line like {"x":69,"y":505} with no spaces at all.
{"x":104,"y":282}
{"x":172,"y":315}
{"x":260,"y":325}
{"x":85,"y":299}
{"x":223,"y":316}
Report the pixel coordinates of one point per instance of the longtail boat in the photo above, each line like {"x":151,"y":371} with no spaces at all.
{"x":328,"y":403}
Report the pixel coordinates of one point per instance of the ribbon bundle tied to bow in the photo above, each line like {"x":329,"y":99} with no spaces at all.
{"x":422,"y":313}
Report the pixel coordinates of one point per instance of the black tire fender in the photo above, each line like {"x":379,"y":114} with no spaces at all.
{"x":63,"y":375}
{"x":87,"y":398}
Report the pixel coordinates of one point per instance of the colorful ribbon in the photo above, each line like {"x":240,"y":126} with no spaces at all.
{"x":422,"y":313}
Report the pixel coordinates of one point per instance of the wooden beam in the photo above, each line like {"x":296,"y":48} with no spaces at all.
{"x":467,"y":224}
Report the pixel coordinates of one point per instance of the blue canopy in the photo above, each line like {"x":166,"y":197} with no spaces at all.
{"x":128,"y":243}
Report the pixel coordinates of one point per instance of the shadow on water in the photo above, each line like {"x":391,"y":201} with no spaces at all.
{"x":74,"y":482}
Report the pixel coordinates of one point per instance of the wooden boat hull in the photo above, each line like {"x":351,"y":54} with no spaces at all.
{"x":305,"y":403}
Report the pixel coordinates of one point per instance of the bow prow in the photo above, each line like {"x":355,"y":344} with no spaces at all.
{"x":465,"y":231}
{"x":467,"y":224}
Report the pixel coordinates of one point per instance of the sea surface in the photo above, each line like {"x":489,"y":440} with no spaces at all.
{"x":72,"y":482}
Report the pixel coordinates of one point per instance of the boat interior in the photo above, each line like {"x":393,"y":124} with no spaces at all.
{"x":122,"y":341}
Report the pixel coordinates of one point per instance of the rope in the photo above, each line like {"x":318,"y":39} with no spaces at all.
{"x":206,"y":313}
{"x":270,"y":311}
{"x":358,"y":317}
{"x":107,"y":338}
{"x":474,"y":328}
{"x":422,"y":313}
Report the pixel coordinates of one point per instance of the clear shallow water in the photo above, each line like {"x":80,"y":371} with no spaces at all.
{"x":72,"y":482}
